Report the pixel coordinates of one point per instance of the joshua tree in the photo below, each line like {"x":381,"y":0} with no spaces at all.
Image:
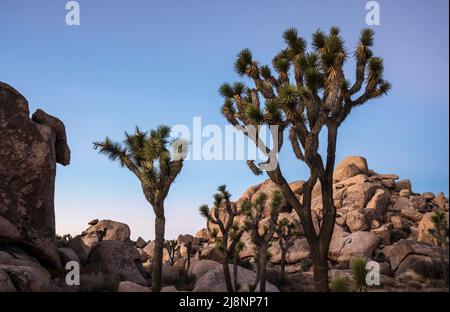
{"x":189,"y":253}
{"x":286,"y":233}
{"x":147,"y":155}
{"x":302,"y":102}
{"x":171,"y":247}
{"x":440,"y":234}
{"x":261,"y":234}
{"x":229,"y":230}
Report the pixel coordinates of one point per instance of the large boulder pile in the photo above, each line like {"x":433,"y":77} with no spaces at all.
{"x":379,"y":217}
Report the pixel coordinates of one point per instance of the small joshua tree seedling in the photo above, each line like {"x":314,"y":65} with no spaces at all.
{"x":286,"y":234}
{"x":359,"y":272}
{"x":171,"y":246}
{"x":228,"y":234}
{"x":261,"y":234}
{"x":340,"y":284}
{"x":440,"y":235}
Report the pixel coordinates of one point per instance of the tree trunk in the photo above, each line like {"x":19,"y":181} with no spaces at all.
{"x":235,"y":271}
{"x":283,"y":264}
{"x":444,"y":266}
{"x":320,"y":269}
{"x":188,"y":261}
{"x":262,"y":267}
{"x":226,"y":272}
{"x":258,"y":273}
{"x":160,"y":222}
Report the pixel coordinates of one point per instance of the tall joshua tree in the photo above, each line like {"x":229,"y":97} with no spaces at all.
{"x":261,"y":234}
{"x":147,"y":155}
{"x":229,"y":229}
{"x":286,"y":233}
{"x":308,"y":93}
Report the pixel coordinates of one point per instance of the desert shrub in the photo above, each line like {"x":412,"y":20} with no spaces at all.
{"x":340,"y":284}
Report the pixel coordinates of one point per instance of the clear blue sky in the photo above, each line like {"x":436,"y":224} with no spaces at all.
{"x":150,"y":62}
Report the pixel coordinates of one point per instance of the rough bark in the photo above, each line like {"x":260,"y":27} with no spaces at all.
{"x":226,"y":272}
{"x":263,"y":266}
{"x":283,"y":262}
{"x":160,"y":222}
{"x":235,"y":269}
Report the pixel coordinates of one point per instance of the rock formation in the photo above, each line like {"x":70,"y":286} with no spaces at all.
{"x":378,"y":215}
{"x":29,"y":151}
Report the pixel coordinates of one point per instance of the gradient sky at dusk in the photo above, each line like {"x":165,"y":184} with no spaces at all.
{"x":151,"y":62}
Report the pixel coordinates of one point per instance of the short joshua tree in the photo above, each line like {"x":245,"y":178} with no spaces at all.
{"x":262,"y":232}
{"x":172,"y":247}
{"x":147,"y":155}
{"x":286,"y":232}
{"x":308,"y":93}
{"x":227,"y":233}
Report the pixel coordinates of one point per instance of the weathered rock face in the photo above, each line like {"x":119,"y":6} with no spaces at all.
{"x":350,"y":167}
{"x":67,"y":255}
{"x":199,"y":268}
{"x":213,"y":281}
{"x":397,"y":252}
{"x":28,"y":153}
{"x":106,"y":230}
{"x":6,"y":284}
{"x":61,"y":148}
{"x":8,"y":232}
{"x":358,"y":243}
{"x":23,"y":271}
{"x":128,"y":286}
{"x":116,"y":261}
{"x":426,"y":224}
{"x":140,"y":242}
{"x":297,"y":252}
{"x":413,"y":260}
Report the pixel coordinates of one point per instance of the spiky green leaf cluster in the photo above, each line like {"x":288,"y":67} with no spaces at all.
{"x":359,"y":272}
{"x":147,"y":154}
{"x":340,"y":284}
